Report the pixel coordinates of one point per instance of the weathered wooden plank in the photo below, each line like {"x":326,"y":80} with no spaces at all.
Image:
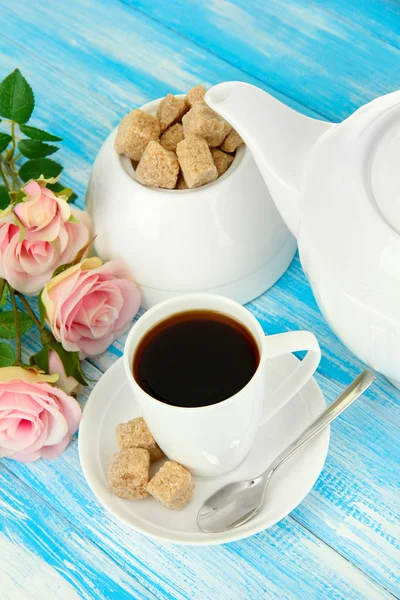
{"x":23,"y":573}
{"x":378,"y":17}
{"x":288,"y":305}
{"x":56,"y":559}
{"x":278,"y":310}
{"x":355,"y":498}
{"x":86,"y":139}
{"x":269,"y":565}
{"x":310,"y":54}
{"x":68,"y":107}
{"x":115,"y":58}
{"x":62,"y":486}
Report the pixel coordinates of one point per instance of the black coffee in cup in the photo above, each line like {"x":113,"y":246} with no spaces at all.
{"x":195,"y":358}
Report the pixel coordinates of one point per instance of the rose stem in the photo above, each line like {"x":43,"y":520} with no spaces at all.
{"x":17,"y":326}
{"x":14,"y":158}
{"x":12,"y":174}
{"x":30,"y":311}
{"x":10,"y":162}
{"x":4,"y":176}
{"x":13,"y":139}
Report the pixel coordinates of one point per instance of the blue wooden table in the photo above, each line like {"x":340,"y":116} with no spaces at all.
{"x":90,"y":62}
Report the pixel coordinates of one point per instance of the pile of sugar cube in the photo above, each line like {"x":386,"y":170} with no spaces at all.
{"x":128,"y":472}
{"x":185,"y":146}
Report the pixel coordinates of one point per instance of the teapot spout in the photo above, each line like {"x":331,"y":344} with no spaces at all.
{"x":278,"y":137}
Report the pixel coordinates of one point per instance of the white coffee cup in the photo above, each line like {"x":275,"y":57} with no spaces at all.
{"x":211,"y":440}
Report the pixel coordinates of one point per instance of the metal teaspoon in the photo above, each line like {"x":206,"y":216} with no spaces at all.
{"x":236,"y":503}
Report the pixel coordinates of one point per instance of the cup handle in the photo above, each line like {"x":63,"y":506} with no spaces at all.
{"x":285,"y":343}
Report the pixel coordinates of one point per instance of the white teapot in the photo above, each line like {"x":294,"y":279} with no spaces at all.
{"x":337,"y":187}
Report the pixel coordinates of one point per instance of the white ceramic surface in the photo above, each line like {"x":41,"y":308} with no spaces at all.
{"x":337,"y":187}
{"x":211,"y":440}
{"x":226,"y":237}
{"x":111,"y":403}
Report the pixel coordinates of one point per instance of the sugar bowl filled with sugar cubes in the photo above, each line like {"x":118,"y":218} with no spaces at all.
{"x":175,"y":197}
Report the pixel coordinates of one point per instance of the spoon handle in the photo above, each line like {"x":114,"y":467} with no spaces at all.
{"x":347,"y":397}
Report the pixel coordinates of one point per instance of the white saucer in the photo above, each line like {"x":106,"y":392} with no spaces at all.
{"x":111,"y":402}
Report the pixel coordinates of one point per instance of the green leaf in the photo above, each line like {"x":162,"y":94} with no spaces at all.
{"x":4,"y":197}
{"x":47,"y":338}
{"x":45,"y":182}
{"x":7,"y":324}
{"x":60,"y":190}
{"x":67,"y":192}
{"x":16,"y":98}
{"x":5,"y":139}
{"x":41,"y":359}
{"x":61,"y":269}
{"x":55,"y":187}
{"x":3,"y":292}
{"x":17,"y":196}
{"x":70,"y":361}
{"x":39,"y":134}
{"x":42,"y":310}
{"x":73,"y":219}
{"x":80,"y":256}
{"x":7,"y":355}
{"x":36,"y":149}
{"x":36,"y":167}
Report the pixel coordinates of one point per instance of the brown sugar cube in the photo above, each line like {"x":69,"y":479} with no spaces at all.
{"x":134,"y":133}
{"x":181,"y":183}
{"x":222,"y":160}
{"x":196,"y":161}
{"x":232,"y":141}
{"x":158,"y":167}
{"x":172,"y":485}
{"x":194,"y":95}
{"x":136,"y":434}
{"x":171,"y":110}
{"x":128,"y":473}
{"x":172,"y":136}
{"x":204,"y":121}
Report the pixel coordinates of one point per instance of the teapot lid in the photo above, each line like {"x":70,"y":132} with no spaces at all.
{"x":350,"y":221}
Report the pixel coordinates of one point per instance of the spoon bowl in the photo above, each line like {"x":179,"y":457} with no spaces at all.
{"x":232,"y":505}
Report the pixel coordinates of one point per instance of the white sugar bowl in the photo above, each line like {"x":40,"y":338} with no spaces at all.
{"x":226,"y":237}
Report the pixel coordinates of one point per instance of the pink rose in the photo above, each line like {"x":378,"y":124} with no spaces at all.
{"x":37,"y":419}
{"x":90,"y":305}
{"x":68,"y":384}
{"x":29,"y":256}
{"x":42,"y":213}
